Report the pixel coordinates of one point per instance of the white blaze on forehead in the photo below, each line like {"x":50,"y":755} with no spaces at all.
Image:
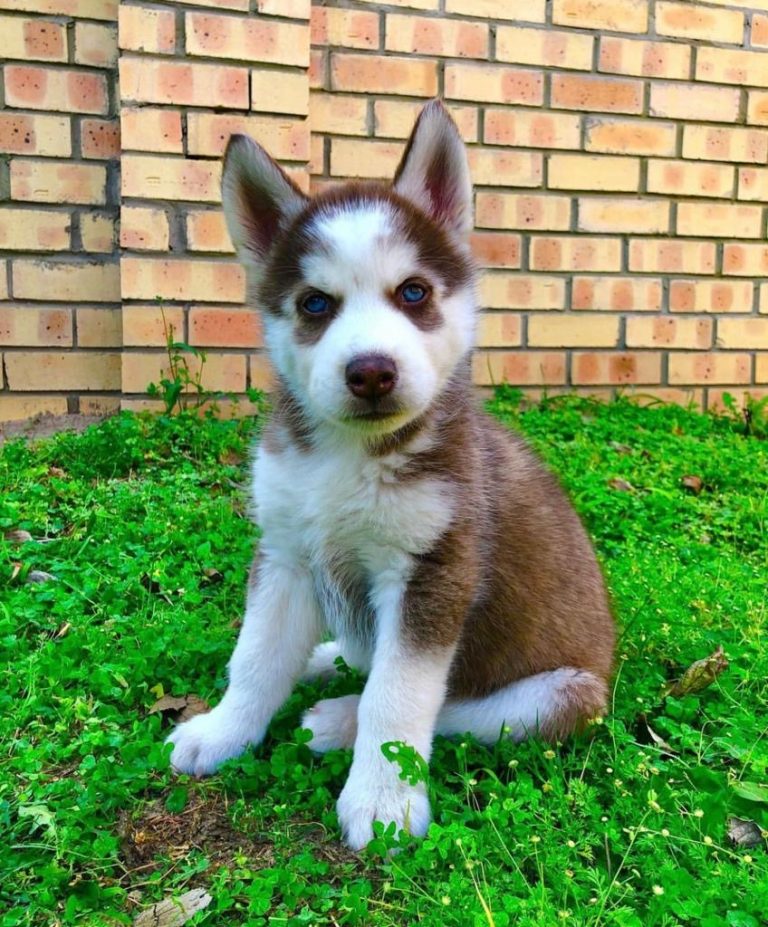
{"x":359,"y":248}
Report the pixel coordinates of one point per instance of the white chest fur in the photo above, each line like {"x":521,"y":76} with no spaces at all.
{"x":336,"y":501}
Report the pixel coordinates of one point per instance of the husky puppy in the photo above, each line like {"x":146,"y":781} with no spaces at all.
{"x":444,"y":560}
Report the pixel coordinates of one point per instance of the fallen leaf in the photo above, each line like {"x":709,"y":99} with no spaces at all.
{"x":744,"y":833}
{"x":39,"y":576}
{"x":16,"y":569}
{"x":173,"y":912}
{"x":18,"y":536}
{"x":57,"y":471}
{"x":180,"y":708}
{"x":621,"y":448}
{"x":700,"y":674}
{"x":231,"y":458}
{"x":657,"y":738}
{"x":213,"y":575}
{"x":620,"y":485}
{"x":694,"y":483}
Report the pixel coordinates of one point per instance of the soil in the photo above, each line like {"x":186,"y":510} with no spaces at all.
{"x":42,"y":426}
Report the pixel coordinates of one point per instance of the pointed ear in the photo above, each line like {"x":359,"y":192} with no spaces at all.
{"x":434,"y":173}
{"x":259,"y":199}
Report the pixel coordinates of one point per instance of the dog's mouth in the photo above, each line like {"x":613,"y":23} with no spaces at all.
{"x":385,"y":416}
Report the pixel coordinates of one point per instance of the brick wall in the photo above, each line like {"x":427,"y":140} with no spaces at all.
{"x":618,"y":147}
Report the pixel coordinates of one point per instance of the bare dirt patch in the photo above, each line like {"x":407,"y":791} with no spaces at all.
{"x":43,"y":426}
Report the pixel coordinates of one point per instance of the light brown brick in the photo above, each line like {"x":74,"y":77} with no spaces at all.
{"x":151,"y":326}
{"x":208,"y":134}
{"x":594,"y":369}
{"x":95,"y":44}
{"x":576,"y":254}
{"x":379,"y":74}
{"x":148,"y":129}
{"x":499,"y":330}
{"x":99,"y":327}
{"x":719,"y":220}
{"x":501,"y":167}
{"x":531,"y":11}
{"x":35,"y":326}
{"x":709,"y":368}
{"x":318,"y":69}
{"x":519,"y":368}
{"x":638,"y":216}
{"x":280,"y":92}
{"x":751,"y":334}
{"x":644,"y":59}
{"x":144,"y":228}
{"x":695,"y":102}
{"x":57,"y":89}
{"x":745,"y":260}
{"x":316,"y":163}
{"x":610,"y":15}
{"x":630,"y":136}
{"x":532,"y":129}
{"x":347,"y":28}
{"x":732,"y":66}
{"x":395,"y":118}
{"x":341,"y":115}
{"x":715,"y":396}
{"x":100,"y":138}
{"x":494,"y":84}
{"x":753,"y":183}
{"x":145,"y":29}
{"x":21,"y":407}
{"x":573,"y":331}
{"x":34,"y":230}
{"x":452,"y":38}
{"x":153,"y":177}
{"x":544,"y":47}
{"x":521,"y":291}
{"x":664,"y":332}
{"x":260,"y":372}
{"x":86,"y":370}
{"x":683,"y":178}
{"x":28,"y":39}
{"x":180,"y":279}
{"x":593,"y":172}
{"x":247,"y":39}
{"x":711,"y":296}
{"x":66,"y":282}
{"x":297,"y":9}
{"x":86,"y":9}
{"x":709,"y":143}
{"x":97,"y":233}
{"x":597,"y":94}
{"x":58,"y":182}
{"x":617,"y":294}
{"x":522,"y":211}
{"x":757,"y":107}
{"x":207,"y":231}
{"x":183,"y":83}
{"x":225,"y":372}
{"x":693,"y":21}
{"x":3,"y":279}
{"x":761,"y":368}
{"x":46,"y":136}
{"x":496,"y":249}
{"x":356,"y":158}
{"x":224,"y":327}
{"x":676,"y":257}
{"x":762,"y":296}
{"x":758,"y":35}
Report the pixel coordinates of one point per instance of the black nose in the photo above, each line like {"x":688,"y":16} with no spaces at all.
{"x":371,"y":376}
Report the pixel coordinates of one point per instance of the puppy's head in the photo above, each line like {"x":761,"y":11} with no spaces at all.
{"x":367,"y":290}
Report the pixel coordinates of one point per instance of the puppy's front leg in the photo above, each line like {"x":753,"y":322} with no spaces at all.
{"x":281,"y":626}
{"x":402,"y":697}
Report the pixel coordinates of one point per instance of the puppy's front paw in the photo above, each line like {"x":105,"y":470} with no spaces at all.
{"x":383,"y":797}
{"x":202,"y":744}
{"x":333,"y":722}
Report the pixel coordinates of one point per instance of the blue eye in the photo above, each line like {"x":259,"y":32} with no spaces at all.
{"x":316,"y":303}
{"x":413,"y":293}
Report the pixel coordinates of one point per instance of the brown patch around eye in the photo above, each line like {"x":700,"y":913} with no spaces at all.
{"x":310,"y":327}
{"x":424,"y":314}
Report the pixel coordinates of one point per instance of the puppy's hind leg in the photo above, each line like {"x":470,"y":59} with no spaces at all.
{"x":553,"y":705}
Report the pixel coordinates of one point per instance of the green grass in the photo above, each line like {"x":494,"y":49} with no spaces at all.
{"x":143,"y":524}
